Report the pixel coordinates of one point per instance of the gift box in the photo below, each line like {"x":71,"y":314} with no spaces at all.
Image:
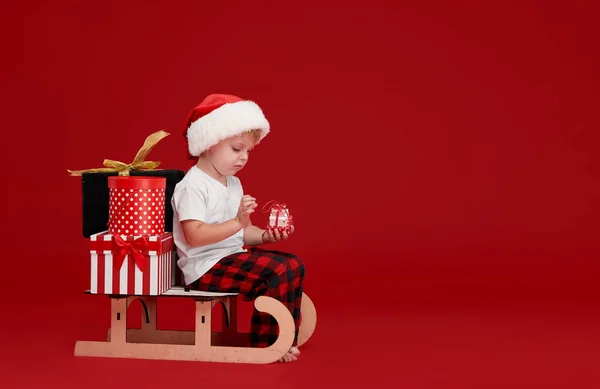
{"x":280,"y":218}
{"x":96,"y":196}
{"x":136,"y":205}
{"x":131,"y":265}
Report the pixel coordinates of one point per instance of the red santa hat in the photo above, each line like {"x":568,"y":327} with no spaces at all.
{"x":219,"y":117}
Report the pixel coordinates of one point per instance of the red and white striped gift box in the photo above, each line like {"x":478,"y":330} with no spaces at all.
{"x":129,"y":279}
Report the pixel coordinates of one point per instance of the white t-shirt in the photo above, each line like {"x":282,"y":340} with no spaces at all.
{"x":198,"y":196}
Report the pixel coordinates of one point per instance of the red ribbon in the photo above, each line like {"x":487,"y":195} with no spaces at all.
{"x":279,"y":208}
{"x":135,"y":249}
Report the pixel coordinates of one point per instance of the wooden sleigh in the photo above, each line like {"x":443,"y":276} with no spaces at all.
{"x":202,"y":344}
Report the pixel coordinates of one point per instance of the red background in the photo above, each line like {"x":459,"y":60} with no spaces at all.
{"x":439,"y":158}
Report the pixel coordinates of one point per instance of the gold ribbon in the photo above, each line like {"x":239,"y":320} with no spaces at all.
{"x":138,"y":162}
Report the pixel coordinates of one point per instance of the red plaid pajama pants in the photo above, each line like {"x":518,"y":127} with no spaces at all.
{"x":259,"y":272}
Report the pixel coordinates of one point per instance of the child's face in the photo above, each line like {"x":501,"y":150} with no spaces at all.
{"x":230,"y":155}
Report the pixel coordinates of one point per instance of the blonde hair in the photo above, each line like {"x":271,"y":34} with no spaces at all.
{"x":255,"y":134}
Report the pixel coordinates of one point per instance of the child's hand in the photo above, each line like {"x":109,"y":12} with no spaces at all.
{"x":272,"y":235}
{"x":247,"y":206}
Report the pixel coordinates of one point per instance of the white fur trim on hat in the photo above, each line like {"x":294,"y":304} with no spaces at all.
{"x":228,"y":120}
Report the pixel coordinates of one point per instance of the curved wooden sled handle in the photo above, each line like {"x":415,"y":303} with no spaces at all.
{"x":309,"y":320}
{"x":269,"y":354}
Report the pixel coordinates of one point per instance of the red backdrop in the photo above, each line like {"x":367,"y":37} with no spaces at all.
{"x":430,"y":153}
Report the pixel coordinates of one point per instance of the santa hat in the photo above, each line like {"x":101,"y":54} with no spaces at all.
{"x":219,"y":117}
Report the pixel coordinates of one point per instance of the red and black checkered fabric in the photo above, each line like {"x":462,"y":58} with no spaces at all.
{"x":259,"y":272}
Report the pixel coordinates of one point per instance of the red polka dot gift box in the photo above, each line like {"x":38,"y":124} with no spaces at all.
{"x":136,"y":205}
{"x":95,"y":196}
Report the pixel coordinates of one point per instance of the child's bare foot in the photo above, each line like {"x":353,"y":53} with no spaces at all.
{"x":291,"y":356}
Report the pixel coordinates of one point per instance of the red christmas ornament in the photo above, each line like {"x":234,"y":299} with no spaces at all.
{"x":280,"y":217}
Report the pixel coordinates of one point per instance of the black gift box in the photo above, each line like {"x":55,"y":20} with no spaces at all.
{"x":95,"y":194}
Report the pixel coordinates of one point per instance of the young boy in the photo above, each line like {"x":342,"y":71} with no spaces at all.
{"x":212,"y":217}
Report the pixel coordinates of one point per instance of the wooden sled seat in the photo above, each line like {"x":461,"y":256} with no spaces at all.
{"x":181,"y":291}
{"x":202,"y":344}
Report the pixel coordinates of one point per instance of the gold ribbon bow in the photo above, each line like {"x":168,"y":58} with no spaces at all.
{"x":138,"y":162}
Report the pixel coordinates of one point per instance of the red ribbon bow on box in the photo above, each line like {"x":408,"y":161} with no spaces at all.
{"x":135,"y":249}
